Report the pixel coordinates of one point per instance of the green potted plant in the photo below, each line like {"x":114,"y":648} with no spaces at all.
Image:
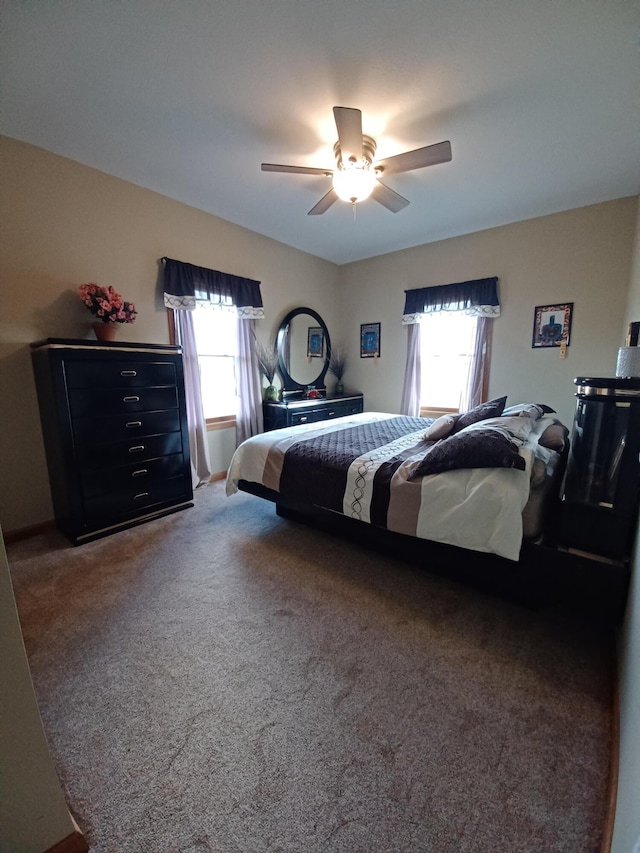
{"x":267,"y":356}
{"x":338,"y":366}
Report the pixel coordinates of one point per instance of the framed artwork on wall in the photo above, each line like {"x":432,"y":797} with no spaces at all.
{"x":552,"y":325}
{"x":315,"y":342}
{"x":370,"y":340}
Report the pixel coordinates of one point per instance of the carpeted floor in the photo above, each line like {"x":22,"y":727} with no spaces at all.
{"x":225,"y":680}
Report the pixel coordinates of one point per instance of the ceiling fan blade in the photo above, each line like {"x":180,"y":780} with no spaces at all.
{"x":325,"y":203}
{"x":387,"y":197}
{"x":297,"y":170}
{"x":349,"y":126}
{"x":430,"y":155}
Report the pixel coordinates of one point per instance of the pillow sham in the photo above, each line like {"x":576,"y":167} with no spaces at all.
{"x":477,"y":448}
{"x":512,"y":427}
{"x":440,"y":428}
{"x":528,"y":410}
{"x":490,"y":409}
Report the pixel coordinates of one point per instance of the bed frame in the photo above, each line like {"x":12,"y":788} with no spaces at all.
{"x":546,"y":575}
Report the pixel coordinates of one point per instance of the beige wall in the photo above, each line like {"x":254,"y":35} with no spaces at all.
{"x":65,"y":224}
{"x":633,"y":301}
{"x":581,"y":256}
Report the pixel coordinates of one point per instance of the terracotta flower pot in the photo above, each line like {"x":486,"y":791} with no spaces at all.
{"x":105,"y":331}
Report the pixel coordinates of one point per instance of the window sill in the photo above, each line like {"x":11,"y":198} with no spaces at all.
{"x":225,"y":422}
{"x":434,"y":412}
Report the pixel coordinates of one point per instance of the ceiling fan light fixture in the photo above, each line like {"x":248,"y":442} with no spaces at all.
{"x":353,"y":182}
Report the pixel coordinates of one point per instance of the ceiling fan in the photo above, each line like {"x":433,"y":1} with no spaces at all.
{"x":357,"y":175}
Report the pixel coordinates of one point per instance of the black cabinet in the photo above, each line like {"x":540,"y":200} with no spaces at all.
{"x":115,"y":431}
{"x":294,"y":412}
{"x":600,"y":491}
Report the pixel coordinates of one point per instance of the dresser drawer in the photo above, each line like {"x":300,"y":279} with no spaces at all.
{"x":111,"y":401}
{"x":99,"y":430}
{"x":119,"y":374}
{"x":307,"y":416}
{"x":130,"y":501}
{"x":139,"y":476}
{"x":134,"y":450}
{"x":340,"y":410}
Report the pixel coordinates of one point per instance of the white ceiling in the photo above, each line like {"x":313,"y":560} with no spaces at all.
{"x":539,"y":98}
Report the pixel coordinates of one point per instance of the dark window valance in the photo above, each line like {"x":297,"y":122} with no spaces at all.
{"x":185,"y":284}
{"x":479,"y":297}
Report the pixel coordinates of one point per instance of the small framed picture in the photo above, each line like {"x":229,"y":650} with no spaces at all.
{"x":552,"y":325}
{"x":370,"y":340}
{"x":315,"y":342}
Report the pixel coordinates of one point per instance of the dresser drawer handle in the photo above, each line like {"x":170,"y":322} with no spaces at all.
{"x":133,"y":424}
{"x":331,"y":414}
{"x":131,"y":399}
{"x":304,"y":419}
{"x":128,"y":373}
{"x":137,"y":448}
{"x":140,"y":496}
{"x":140,"y":473}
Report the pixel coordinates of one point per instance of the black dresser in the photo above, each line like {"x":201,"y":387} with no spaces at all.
{"x":602,"y":482}
{"x":301,"y":411}
{"x":115,"y":432}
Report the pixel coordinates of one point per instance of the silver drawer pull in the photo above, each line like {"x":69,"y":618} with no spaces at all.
{"x":133,"y":424}
{"x":331,"y":414}
{"x":137,"y":448}
{"x":140,"y":473}
{"x":128,"y":373}
{"x":140,"y":496}
{"x":131,"y":399}
{"x":303,"y":419}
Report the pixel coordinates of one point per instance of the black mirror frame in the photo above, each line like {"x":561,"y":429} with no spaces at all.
{"x":289,"y":384}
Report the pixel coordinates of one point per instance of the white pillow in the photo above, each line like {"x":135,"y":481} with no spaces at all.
{"x":440,"y":428}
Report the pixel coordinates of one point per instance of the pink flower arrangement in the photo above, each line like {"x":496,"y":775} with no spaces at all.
{"x":106,"y":304}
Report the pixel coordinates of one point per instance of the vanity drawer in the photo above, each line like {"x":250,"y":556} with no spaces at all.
{"x":130,"y":501}
{"x":91,"y":457}
{"x":340,"y":410}
{"x":307,"y":416}
{"x":139,"y":476}
{"x":115,"y":428}
{"x":97,"y":401}
{"x":123,"y":374}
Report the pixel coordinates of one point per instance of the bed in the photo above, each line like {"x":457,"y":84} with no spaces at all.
{"x":479,"y":490}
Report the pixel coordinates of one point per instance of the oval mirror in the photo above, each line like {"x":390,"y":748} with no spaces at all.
{"x":304,"y":349}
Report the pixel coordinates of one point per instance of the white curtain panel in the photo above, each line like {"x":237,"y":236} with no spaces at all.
{"x":410,"y":404}
{"x":249,"y":419}
{"x":472,"y":393}
{"x":198,"y":444}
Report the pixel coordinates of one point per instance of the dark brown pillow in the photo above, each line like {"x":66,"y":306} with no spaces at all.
{"x":480,"y":448}
{"x":490,"y":409}
{"x":554,"y":436}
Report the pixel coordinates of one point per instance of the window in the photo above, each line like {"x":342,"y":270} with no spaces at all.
{"x":217,"y":344}
{"x":447,"y":341}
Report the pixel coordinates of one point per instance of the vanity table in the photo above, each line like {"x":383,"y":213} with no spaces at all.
{"x":304,"y":353}
{"x":293,"y":412}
